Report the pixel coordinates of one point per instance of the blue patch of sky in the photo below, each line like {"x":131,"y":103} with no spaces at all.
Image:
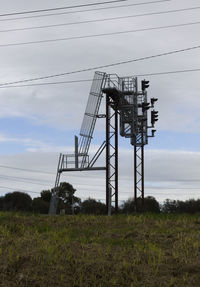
{"x":23,"y":129}
{"x":175,"y":141}
{"x":11,"y":148}
{"x":165,"y":140}
{"x":20,"y":128}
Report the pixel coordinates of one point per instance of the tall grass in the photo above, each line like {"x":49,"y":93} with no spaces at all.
{"x":141,"y":250}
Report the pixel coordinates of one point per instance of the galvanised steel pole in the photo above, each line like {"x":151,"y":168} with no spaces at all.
{"x":107,"y":152}
{"x":135,"y":177}
{"x":142,"y":169}
{"x":116,"y":158}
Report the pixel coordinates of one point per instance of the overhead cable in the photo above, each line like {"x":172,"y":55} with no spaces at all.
{"x":168,"y":72}
{"x":59,"y":8}
{"x":19,"y":189}
{"x":25,"y":178}
{"x":103,"y":66}
{"x":98,"y":20}
{"x":30,"y":191}
{"x":98,"y":35}
{"x":25,"y":169}
{"x":36,"y":192}
{"x":88,"y":10}
{"x":89,"y":186}
{"x":90,"y":80}
{"x":49,"y":83}
{"x":33,"y":170}
{"x":24,"y":181}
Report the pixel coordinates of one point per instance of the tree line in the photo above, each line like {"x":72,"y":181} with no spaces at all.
{"x":71,"y":204}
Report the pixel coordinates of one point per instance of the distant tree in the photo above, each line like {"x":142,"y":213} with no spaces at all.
{"x":1,"y":202}
{"x":178,"y":206}
{"x":128,"y":206}
{"x":40,"y":206}
{"x":91,"y":206}
{"x":46,"y":195}
{"x":17,"y":201}
{"x":189,"y":206}
{"x":67,"y":199}
{"x":170,"y":206}
{"x":150,"y":205}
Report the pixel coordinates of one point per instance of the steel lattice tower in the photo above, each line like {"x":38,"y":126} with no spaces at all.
{"x":126,"y":112}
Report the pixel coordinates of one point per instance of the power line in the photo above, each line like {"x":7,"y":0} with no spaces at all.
{"x":174,"y":188}
{"x":24,"y":178}
{"x":60,"y":8}
{"x":172,"y":195}
{"x":25,"y":169}
{"x":24,"y":181}
{"x":90,"y":80}
{"x":98,"y":20}
{"x":168,"y":72}
{"x":40,"y":182}
{"x":34,"y":171}
{"x":88,"y":10}
{"x":98,"y":35}
{"x":103,"y":66}
{"x":79,"y":185}
{"x":30,"y":191}
{"x":49,"y":83}
{"x":19,"y":189}
{"x":48,"y":172}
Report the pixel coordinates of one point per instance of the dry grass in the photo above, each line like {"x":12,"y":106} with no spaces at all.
{"x":83,"y":251}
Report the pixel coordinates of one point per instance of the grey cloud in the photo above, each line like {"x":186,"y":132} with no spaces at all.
{"x":164,"y":171}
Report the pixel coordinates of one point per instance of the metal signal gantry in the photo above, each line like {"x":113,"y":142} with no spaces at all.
{"x":127,"y":108}
{"x":132,"y":107}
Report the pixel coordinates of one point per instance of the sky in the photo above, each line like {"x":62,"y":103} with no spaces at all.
{"x":39,"y":122}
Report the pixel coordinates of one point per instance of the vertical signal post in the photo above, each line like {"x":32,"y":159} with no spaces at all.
{"x":141,"y":139}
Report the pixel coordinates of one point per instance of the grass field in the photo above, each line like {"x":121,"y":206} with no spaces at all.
{"x":143,"y":250}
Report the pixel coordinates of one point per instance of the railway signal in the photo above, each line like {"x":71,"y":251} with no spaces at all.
{"x":153,"y":100}
{"x":145,"y":107}
{"x":154,"y":117}
{"x":126,"y":113}
{"x":145,"y":85}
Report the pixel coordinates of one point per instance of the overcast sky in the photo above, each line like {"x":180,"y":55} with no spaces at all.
{"x":38,"y":122}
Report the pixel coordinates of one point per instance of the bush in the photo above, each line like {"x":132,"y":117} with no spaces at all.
{"x":91,"y":206}
{"x":178,"y":206}
{"x":40,"y":206}
{"x":150,"y":205}
{"x":46,"y":195}
{"x":17,"y":201}
{"x":1,"y":202}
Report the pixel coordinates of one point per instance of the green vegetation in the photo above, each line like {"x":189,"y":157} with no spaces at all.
{"x":68,"y":203}
{"x":148,"y":250}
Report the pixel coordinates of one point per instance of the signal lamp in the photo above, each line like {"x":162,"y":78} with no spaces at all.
{"x":153,"y":100}
{"x":153,"y":133}
{"x":145,"y":107}
{"x":154,"y":117}
{"x":145,"y":85}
